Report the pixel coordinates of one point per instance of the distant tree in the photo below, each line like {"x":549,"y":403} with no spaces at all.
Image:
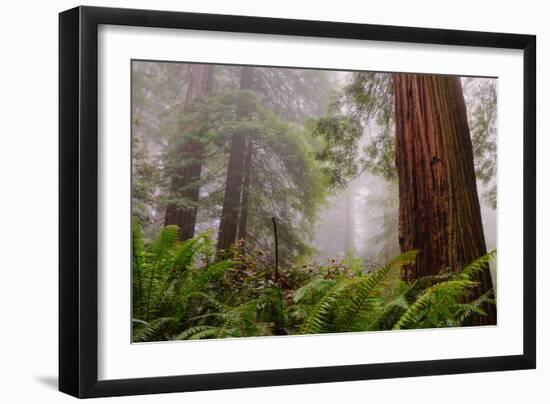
{"x":184,"y":189}
{"x":227,"y":234}
{"x":349,"y":225}
{"x":153,"y":91}
{"x":383,"y":201}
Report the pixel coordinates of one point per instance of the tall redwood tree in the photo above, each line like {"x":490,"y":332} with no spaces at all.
{"x":439,"y":211}
{"x":236,"y":169}
{"x":185,"y":185}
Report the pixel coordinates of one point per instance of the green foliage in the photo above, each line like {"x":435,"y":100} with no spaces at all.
{"x":294,"y":94}
{"x":338,"y":150}
{"x":321,"y":310}
{"x":166,"y":270}
{"x":366,"y":103}
{"x":194,"y":297}
{"x":145,"y":180}
{"x":148,"y":331}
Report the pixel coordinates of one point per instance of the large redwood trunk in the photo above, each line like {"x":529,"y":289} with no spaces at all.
{"x":439,"y":212}
{"x":227,"y":233}
{"x":185,"y":185}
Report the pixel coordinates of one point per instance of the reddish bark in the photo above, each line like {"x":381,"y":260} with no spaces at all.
{"x":439,"y":212}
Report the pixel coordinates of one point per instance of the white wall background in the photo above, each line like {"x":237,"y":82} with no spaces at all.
{"x":28,"y":202}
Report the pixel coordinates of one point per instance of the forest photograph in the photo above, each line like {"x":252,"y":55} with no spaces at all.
{"x":270,"y":201}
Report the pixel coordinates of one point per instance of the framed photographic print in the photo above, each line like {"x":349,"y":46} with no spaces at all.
{"x":251,"y":201}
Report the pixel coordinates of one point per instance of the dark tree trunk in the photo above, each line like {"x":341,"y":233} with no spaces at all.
{"x":227,"y":234}
{"x":185,"y":185}
{"x":439,"y":212}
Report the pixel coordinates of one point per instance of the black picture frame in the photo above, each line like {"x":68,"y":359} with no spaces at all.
{"x":78,"y":201}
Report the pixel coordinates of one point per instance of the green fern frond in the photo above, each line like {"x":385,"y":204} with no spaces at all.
{"x":363,"y":303}
{"x":138,"y":321}
{"x":137,"y":239}
{"x":314,"y":288}
{"x":202,"y":276}
{"x":187,"y":252}
{"x":150,"y":330}
{"x":138,"y":250}
{"x":239,"y":321}
{"x":418,"y":309}
{"x":316,"y":320}
{"x":245,"y":311}
{"x":468,"y":309}
{"x":420,"y":285}
{"x":390,"y":314}
{"x":206,"y":316}
{"x":471,"y":270}
{"x":205,"y":334}
{"x":164,"y":241}
{"x":198,"y":332}
{"x":212,"y":301}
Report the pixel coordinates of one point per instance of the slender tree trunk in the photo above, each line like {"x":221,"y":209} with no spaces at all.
{"x":185,"y":185}
{"x":349,"y":232}
{"x":227,"y":234}
{"x":243,"y":220}
{"x":439,"y":212}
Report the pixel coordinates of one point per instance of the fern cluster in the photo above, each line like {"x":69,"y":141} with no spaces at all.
{"x":180,"y":292}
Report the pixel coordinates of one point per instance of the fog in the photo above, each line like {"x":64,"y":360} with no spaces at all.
{"x":362,"y":218}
